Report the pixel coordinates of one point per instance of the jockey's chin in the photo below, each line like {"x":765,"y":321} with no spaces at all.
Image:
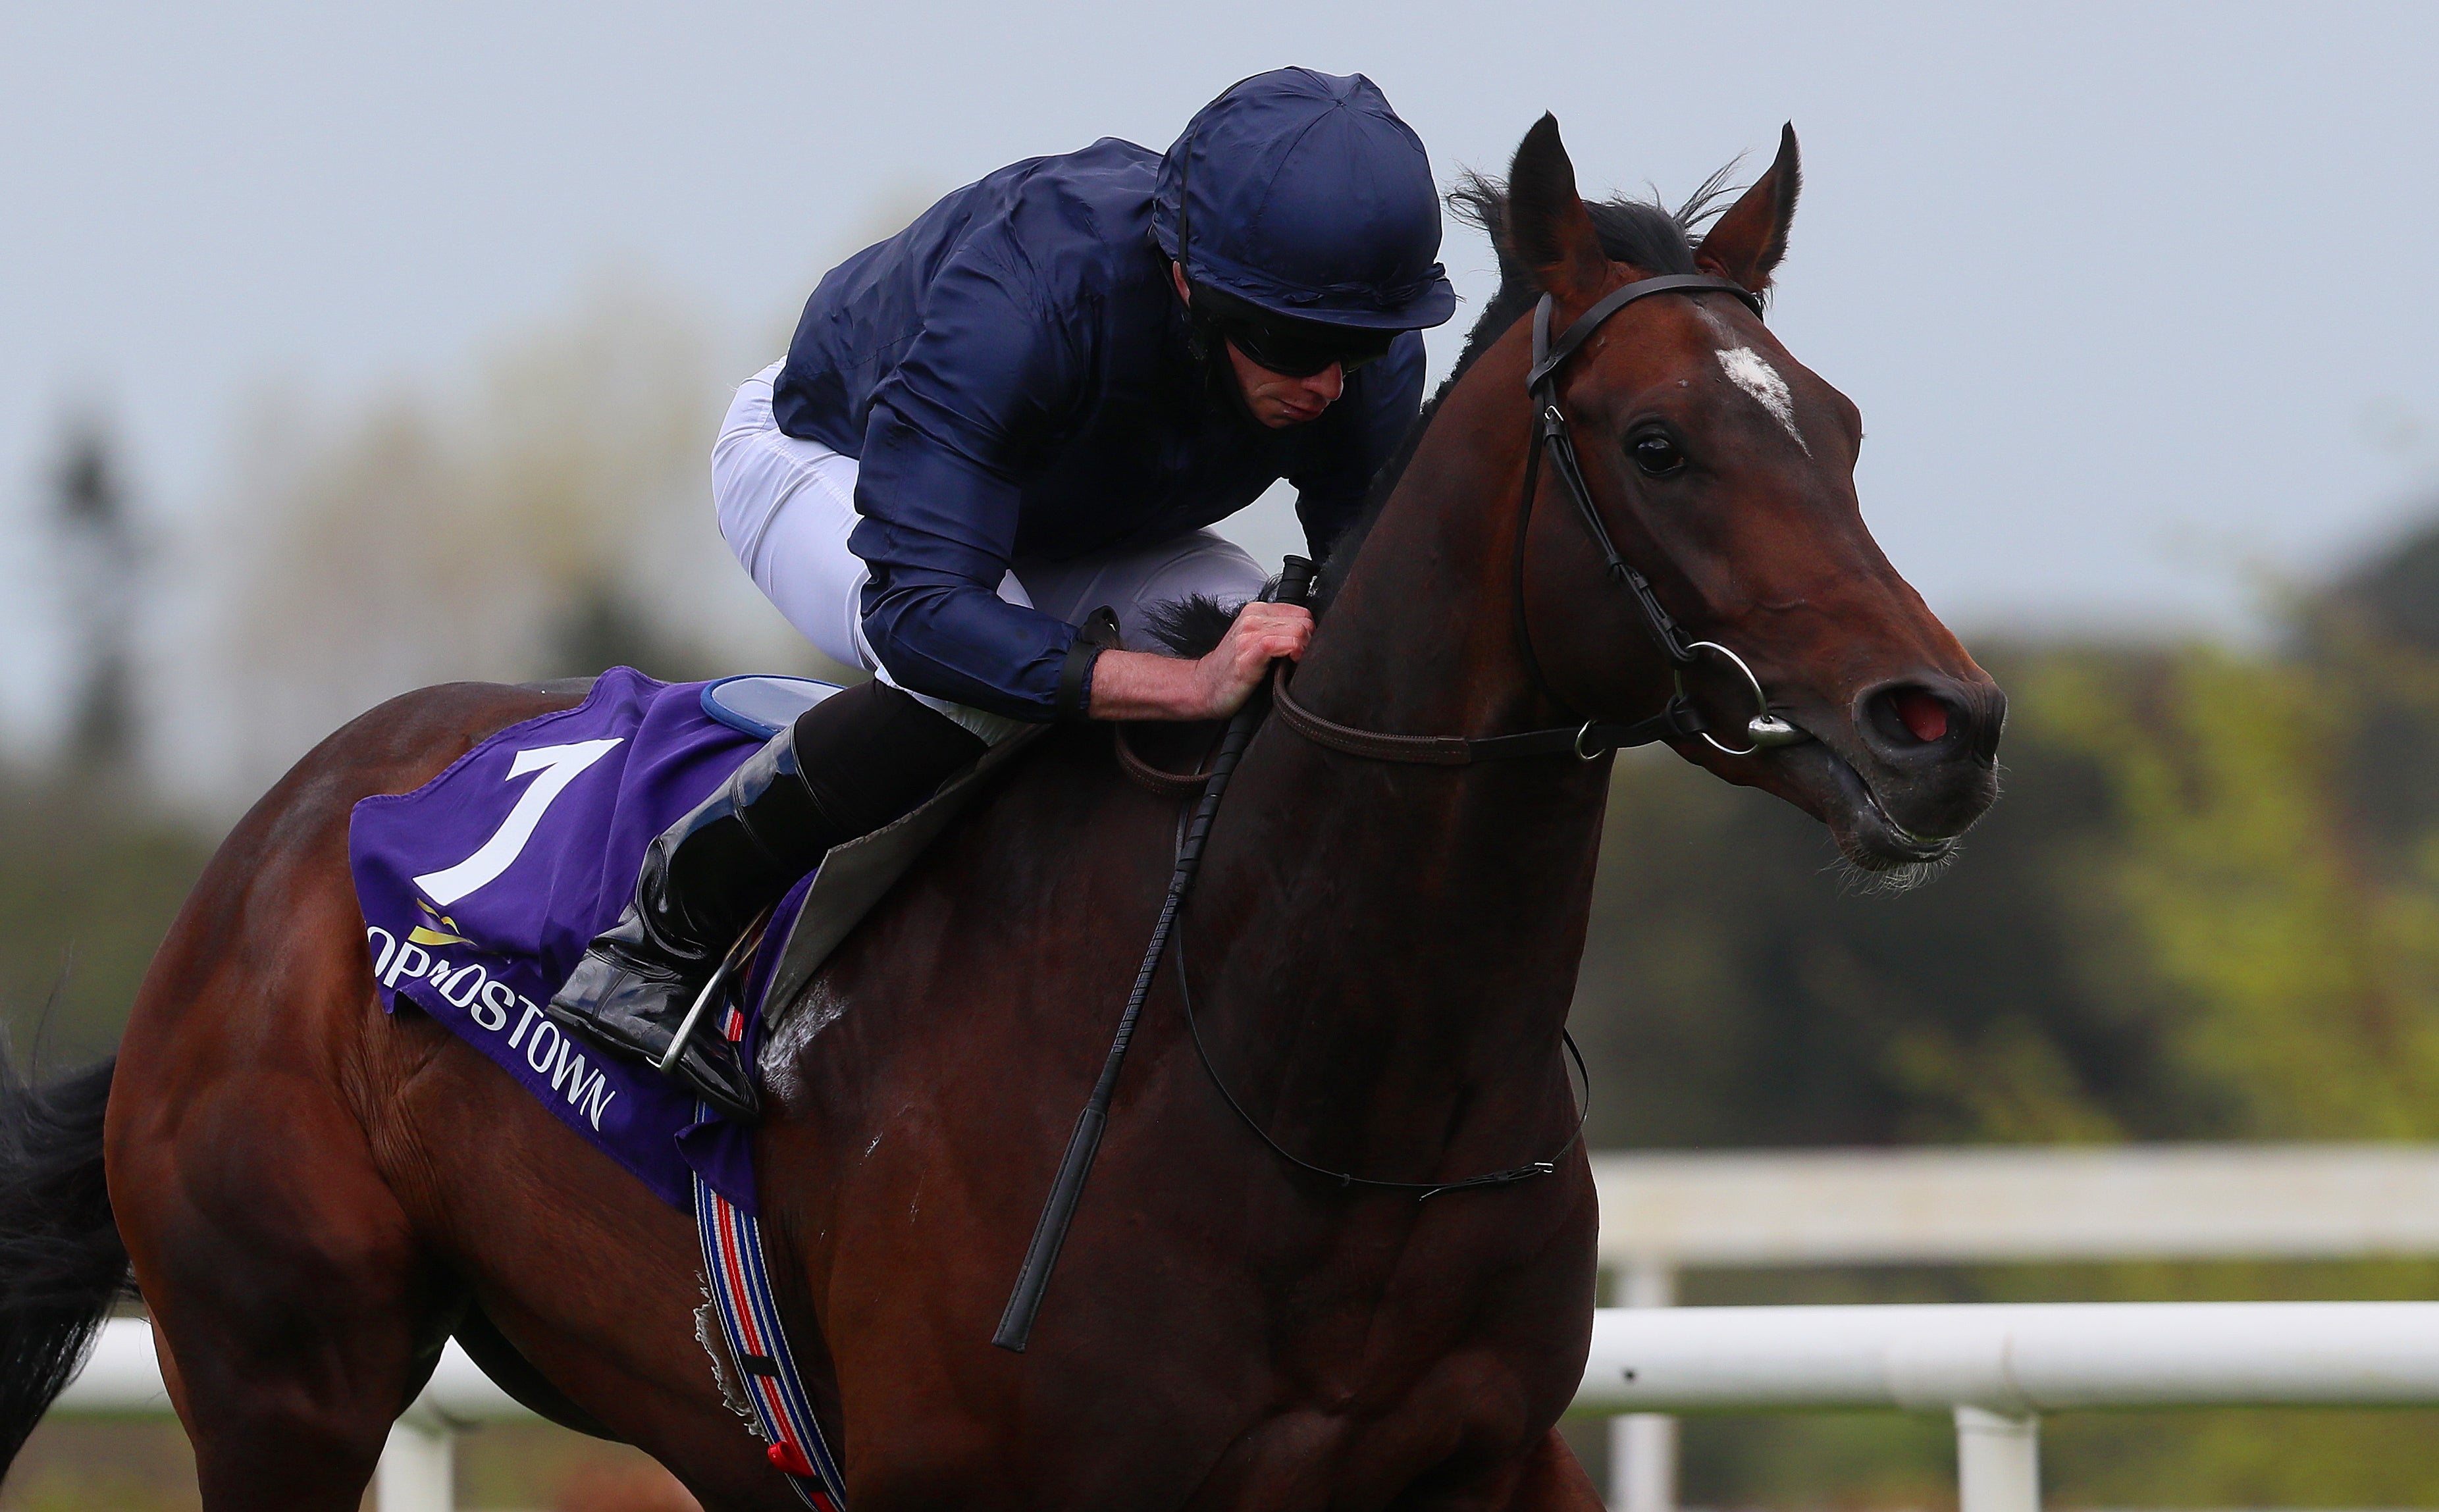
{"x":1280,"y":402}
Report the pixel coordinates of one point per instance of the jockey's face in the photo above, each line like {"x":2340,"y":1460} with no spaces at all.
{"x":1279,"y":400}
{"x":1276,"y":400}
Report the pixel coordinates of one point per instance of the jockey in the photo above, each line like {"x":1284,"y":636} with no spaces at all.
{"x":1023,"y":408}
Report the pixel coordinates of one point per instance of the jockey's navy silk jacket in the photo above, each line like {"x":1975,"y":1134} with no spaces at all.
{"x":1012,"y":371}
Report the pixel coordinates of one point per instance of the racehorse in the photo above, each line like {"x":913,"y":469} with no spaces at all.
{"x":314,"y":1196}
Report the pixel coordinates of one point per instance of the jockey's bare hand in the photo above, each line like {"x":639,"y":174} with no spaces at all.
{"x":1137,"y":686}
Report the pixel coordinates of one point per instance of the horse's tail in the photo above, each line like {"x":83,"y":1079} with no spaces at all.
{"x":61,"y":1261}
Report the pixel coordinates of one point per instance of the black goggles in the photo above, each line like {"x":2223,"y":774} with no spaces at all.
{"x":1289,"y":348}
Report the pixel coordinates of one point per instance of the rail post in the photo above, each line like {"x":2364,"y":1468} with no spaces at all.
{"x":1643,"y":1446}
{"x":418,"y":1471}
{"x":1997,"y":1461}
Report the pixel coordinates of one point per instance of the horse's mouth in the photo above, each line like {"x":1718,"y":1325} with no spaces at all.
{"x":1807,"y":763}
{"x":1869,"y":836}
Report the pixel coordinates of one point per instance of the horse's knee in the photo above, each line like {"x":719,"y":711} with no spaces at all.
{"x":268,"y":1449}
{"x":293,"y":1418}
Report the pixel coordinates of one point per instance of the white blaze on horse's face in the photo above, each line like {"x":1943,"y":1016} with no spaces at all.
{"x":1750,"y":371}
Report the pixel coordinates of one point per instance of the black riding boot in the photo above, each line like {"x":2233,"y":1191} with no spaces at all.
{"x":847,"y":766}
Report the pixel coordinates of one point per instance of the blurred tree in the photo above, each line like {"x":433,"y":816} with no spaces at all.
{"x":603,"y":628}
{"x":98,"y":535}
{"x":550,"y":519}
{"x":91,"y":872}
{"x":90,"y":877}
{"x":1742,"y":987}
{"x":2208,"y":907}
{"x":2301,"y":976}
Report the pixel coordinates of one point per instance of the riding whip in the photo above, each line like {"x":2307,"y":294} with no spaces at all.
{"x":1050,"y":1232}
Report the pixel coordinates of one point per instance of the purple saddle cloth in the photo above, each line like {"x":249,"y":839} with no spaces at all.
{"x":480,"y":889}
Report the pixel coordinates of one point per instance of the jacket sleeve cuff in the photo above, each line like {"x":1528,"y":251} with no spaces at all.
{"x":1098,"y":633}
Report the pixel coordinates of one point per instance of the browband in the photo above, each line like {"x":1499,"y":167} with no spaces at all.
{"x":1548,"y":354}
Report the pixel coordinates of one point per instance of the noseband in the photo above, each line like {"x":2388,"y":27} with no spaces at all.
{"x":1592,"y":737}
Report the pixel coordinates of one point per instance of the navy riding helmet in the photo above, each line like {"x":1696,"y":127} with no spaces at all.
{"x":1304,"y":215}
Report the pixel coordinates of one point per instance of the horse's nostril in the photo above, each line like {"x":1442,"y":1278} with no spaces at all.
{"x":1924,"y":716}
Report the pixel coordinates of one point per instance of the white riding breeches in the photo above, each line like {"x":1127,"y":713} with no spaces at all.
{"x":787,"y":507}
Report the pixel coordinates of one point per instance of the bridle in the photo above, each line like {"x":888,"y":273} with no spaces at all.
{"x":1592,"y":737}
{"x":1587,"y":741}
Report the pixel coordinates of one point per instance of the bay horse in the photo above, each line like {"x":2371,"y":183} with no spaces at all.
{"x":313,"y":1195}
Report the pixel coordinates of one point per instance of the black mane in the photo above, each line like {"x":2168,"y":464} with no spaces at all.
{"x":1645,"y":233}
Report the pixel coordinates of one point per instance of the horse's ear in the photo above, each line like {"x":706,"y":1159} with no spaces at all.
{"x":1549,"y":231}
{"x":1748,"y":242}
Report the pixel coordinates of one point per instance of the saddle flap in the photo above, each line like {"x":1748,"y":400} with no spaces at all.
{"x":855,"y":876}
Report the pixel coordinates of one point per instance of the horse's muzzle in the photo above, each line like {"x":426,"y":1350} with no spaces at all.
{"x":1929,"y":743}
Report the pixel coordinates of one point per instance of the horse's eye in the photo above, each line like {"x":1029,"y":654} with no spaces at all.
{"x":1656,"y":454}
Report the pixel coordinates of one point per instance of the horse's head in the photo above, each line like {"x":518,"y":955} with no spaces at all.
{"x":1724,"y":469}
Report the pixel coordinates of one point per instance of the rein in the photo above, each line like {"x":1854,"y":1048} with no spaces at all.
{"x":1591,"y":740}
{"x":1067,"y":1188}
{"x":1586,"y":744}
{"x":1423,"y":1191}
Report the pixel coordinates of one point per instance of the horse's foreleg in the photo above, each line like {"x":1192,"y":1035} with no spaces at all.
{"x":294,"y":1308}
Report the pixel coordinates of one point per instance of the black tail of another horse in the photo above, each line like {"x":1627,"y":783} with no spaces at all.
{"x":62,"y":1262}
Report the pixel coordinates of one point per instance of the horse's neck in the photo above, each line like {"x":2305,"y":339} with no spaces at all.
{"x":1404,"y":959}
{"x":1421,"y":639}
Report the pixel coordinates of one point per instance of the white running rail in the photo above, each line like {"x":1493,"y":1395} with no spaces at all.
{"x":1663,"y":1213}
{"x":1994,"y":1367}
{"x":1928,"y":1206}
{"x":1997,"y":1367}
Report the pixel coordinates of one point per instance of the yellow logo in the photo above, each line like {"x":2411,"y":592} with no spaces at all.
{"x":427,"y":935}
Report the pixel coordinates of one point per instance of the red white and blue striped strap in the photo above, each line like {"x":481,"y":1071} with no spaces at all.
{"x":749,"y":1316}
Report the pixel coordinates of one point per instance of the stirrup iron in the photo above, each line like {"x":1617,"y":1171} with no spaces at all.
{"x":703,"y":998}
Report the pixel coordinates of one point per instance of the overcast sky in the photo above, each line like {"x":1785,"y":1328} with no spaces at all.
{"x":2134,"y":298}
